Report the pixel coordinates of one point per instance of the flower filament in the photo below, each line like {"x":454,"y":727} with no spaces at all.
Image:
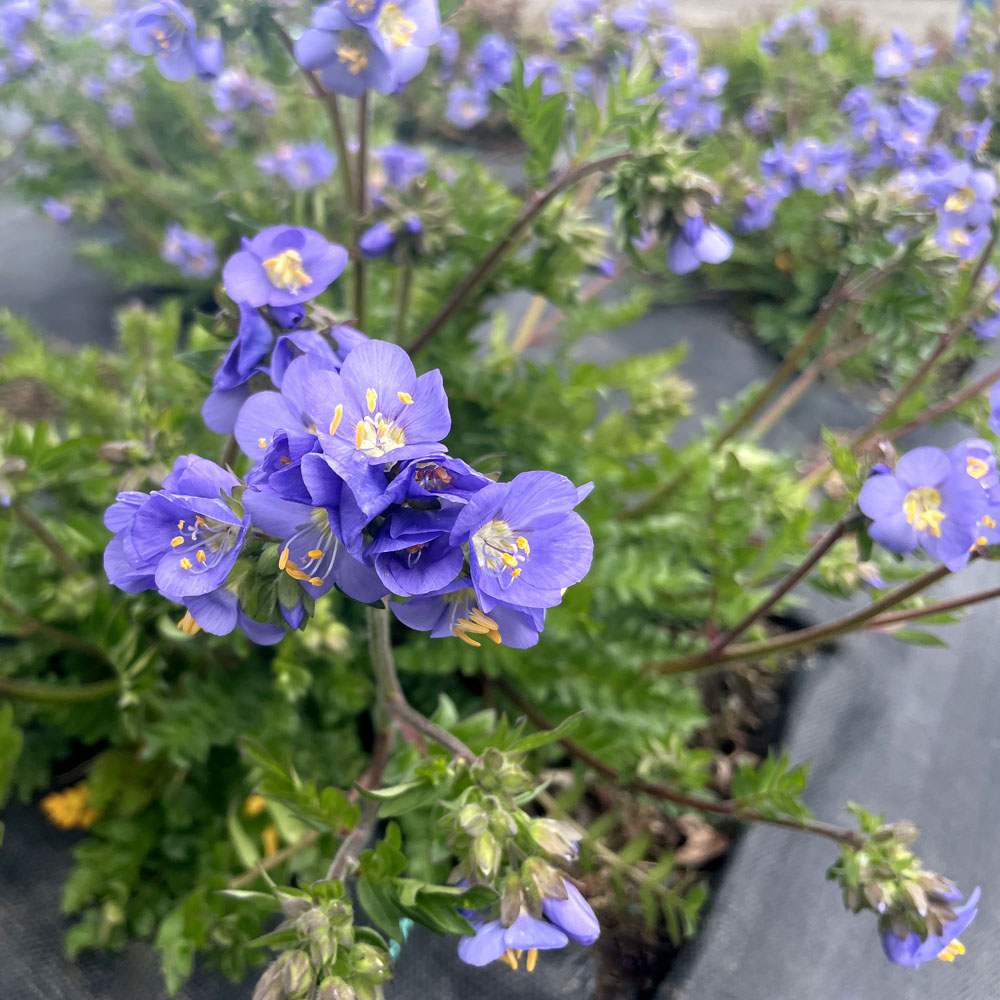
{"x":922,"y":507}
{"x":204,"y":542}
{"x":498,"y":549}
{"x":285,"y":270}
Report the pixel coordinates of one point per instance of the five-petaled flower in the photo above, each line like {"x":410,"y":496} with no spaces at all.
{"x":913,"y":950}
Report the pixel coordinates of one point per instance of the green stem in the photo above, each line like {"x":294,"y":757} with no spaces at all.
{"x":404,"y":291}
{"x":728,"y":809}
{"x":529,"y":212}
{"x":65,"y":561}
{"x":56,"y":694}
{"x":796,"y":640}
{"x":360,"y":209}
{"x":820,"y":549}
{"x":937,"y":608}
{"x":391,"y":696}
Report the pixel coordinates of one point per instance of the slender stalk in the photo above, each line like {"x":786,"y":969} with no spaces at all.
{"x":531,"y":209}
{"x":937,"y":608}
{"x":276,"y":859}
{"x":332,"y":106}
{"x":728,"y":809}
{"x":947,"y":339}
{"x":65,"y":561}
{"x":827,"y":361}
{"x":404,"y":291}
{"x":820,"y":549}
{"x":945,"y":406}
{"x":528,"y":324}
{"x":391,"y":694}
{"x":32,"y":626}
{"x":56,"y":694}
{"x":834,"y":300}
{"x":797,"y":640}
{"x":361,"y":208}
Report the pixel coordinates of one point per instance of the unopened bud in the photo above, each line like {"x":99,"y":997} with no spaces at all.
{"x":556,"y":837}
{"x":269,"y":985}
{"x":486,"y":851}
{"x":371,"y":962}
{"x":293,"y":906}
{"x":296,"y":974}
{"x":473,"y":819}
{"x":334,"y":988}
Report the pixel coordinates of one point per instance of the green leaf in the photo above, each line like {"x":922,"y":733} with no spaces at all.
{"x":246,"y":849}
{"x":378,"y":902}
{"x":915,"y":637}
{"x":536,"y":740}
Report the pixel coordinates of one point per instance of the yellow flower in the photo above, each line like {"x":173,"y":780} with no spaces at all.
{"x":269,"y":838}
{"x":68,"y":809}
{"x":254,"y":805}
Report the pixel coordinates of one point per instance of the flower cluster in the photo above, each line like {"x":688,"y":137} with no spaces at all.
{"x":689,"y":92}
{"x":166,"y":29}
{"x":350,"y":477}
{"x":488,"y":67}
{"x":360,"y":45}
{"x":796,"y":31}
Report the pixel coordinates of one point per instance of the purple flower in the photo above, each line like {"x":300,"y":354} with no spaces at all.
{"x":281,"y":266}
{"x":109,"y":32}
{"x":974,"y":137}
{"x":448,"y":45}
{"x":995,"y":409}
{"x":526,"y":543}
{"x":467,"y":106}
{"x":679,"y":64}
{"x":898,"y":56}
{"x":183,"y":539}
{"x":303,"y":167}
{"x":244,"y":358}
{"x":972,"y":85}
{"x":493,"y":941}
{"x":412,"y":552}
{"x":572,"y":915}
{"x":491,"y":63}
{"x":913,"y":951}
{"x":166,"y":29}
{"x":697,"y":243}
{"x":236,"y":90}
{"x":573,"y":21}
{"x":548,"y":69}
{"x":794,"y":30}
{"x":121,"y":114}
{"x":220,"y":613}
{"x":58,"y":211}
{"x":927,"y":502}
{"x":191,"y":253}
{"x":376,"y":411}
{"x":398,"y":165}
{"x":377,"y":241}
{"x":311,"y":551}
{"x":760,"y":206}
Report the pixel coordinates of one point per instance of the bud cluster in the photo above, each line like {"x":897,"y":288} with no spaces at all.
{"x":326,"y":956}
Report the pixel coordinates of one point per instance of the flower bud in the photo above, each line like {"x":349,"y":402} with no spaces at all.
{"x":293,"y":906}
{"x":334,"y":988}
{"x":486,"y":851}
{"x":371,"y":962}
{"x":511,"y":901}
{"x":296,"y":974}
{"x":473,"y":819}
{"x":269,"y":985}
{"x":542,"y":880}
{"x":556,"y":837}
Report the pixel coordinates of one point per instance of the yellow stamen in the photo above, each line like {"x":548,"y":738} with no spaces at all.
{"x":460,"y":634}
{"x":180,"y":525}
{"x":988,"y":521}
{"x":952,"y":951}
{"x":285,"y":270}
{"x":254,"y":805}
{"x":262,"y":442}
{"x":176,"y":541}
{"x":396,"y":26}
{"x":200,"y":555}
{"x":922,"y":508}
{"x":532,"y":959}
{"x":283,"y":558}
{"x":186,"y":563}
{"x":522,"y":544}
{"x":359,"y":434}
{"x":338,"y":414}
{"x":69,"y":808}
{"x":315,"y":553}
{"x":371,"y":398}
{"x":357,"y":59}
{"x":316,"y":581}
{"x":188,"y":625}
{"x":515,"y":573}
{"x":200,"y":521}
{"x":508,"y":560}
{"x":976,"y":467}
{"x":405,"y":397}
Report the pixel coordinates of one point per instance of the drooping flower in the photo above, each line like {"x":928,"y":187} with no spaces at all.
{"x":491,"y":63}
{"x":412,"y":551}
{"x":526,"y":543}
{"x":572,"y":914}
{"x":235,"y":90}
{"x":396,"y":166}
{"x":698,"y":242}
{"x":971,"y":86}
{"x":493,"y":941}
{"x":912,"y":950}
{"x":927,"y":502}
{"x":454,"y":611}
{"x":282,"y":266}
{"x":245,"y":356}
{"x":898,"y":56}
{"x":58,"y":211}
